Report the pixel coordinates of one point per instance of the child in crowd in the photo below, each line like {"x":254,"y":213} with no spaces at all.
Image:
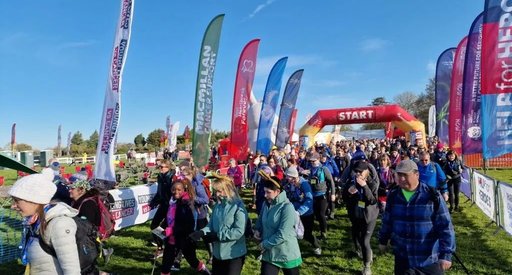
{"x":181,"y":222}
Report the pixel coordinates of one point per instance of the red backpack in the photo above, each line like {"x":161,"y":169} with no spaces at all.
{"x":206,"y":184}
{"x":107,"y":222}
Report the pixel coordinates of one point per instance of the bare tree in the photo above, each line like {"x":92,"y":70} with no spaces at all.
{"x":407,"y":100}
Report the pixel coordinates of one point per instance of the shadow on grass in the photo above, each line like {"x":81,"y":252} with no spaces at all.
{"x":478,"y":247}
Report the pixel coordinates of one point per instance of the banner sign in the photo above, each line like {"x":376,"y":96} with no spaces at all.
{"x":505,"y":197}
{"x":239,"y":145}
{"x":471,"y":97}
{"x":203,"y":108}
{"x":484,"y":194}
{"x":442,"y":91}
{"x":364,"y":134}
{"x":269,"y":106}
{"x":291,"y":92}
{"x":174,"y":136}
{"x":13,"y":137}
{"x":59,"y":140}
{"x":431,"y":121}
{"x":496,"y":79}
{"x":131,"y":205}
{"x":455,"y":108}
{"x":465,"y":184}
{"x":293,"y":119}
{"x":104,"y":168}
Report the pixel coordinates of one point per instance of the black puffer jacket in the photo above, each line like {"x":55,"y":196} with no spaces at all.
{"x":164,"y":192}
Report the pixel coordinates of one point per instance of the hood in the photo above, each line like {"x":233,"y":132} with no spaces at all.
{"x":281,"y":198}
{"x":60,"y":209}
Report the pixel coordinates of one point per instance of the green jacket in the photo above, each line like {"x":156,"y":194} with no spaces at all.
{"x":276,"y":226}
{"x":228,"y":220}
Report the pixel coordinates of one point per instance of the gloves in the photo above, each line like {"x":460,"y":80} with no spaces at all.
{"x":210,"y":237}
{"x":196,"y":235}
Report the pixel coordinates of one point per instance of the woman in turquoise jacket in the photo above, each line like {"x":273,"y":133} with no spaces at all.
{"x":275,"y":228}
{"x":226,"y":229}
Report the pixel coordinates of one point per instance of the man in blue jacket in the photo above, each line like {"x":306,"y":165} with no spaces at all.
{"x":418,"y":223}
{"x":432,"y":174}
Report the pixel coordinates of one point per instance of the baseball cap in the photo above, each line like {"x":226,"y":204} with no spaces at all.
{"x":406,"y":166}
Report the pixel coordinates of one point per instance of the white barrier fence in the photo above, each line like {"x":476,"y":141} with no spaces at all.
{"x":493,"y":197}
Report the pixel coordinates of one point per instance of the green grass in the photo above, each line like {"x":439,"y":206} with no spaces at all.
{"x":503,"y":175}
{"x":480,"y":245}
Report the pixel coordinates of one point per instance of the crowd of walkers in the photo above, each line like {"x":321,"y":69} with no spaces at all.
{"x":412,"y":189}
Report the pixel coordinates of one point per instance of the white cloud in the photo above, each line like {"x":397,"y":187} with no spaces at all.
{"x":374,"y":44}
{"x":261,"y":7}
{"x":14,"y":42}
{"x":79,"y":44}
{"x":431,"y":67}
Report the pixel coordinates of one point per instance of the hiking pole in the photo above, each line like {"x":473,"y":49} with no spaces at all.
{"x":154,"y":261}
{"x":462,"y":264}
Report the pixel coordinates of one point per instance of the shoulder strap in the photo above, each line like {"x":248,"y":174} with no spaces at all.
{"x":434,"y":197}
{"x":87,"y":199}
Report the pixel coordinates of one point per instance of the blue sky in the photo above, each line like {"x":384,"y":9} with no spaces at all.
{"x":55,"y":54}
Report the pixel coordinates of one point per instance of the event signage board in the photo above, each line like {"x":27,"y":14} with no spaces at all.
{"x":484,"y":194}
{"x":505,"y":196}
{"x":131,"y":205}
{"x":465,"y":185}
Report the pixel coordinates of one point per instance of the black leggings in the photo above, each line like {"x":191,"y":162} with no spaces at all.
{"x":453,"y":192}
{"x":361,"y":235}
{"x":187,"y":247}
{"x":308,"y":222}
{"x":160,"y":215}
{"x":228,"y":267}
{"x":270,"y":269}
{"x":319,"y":207}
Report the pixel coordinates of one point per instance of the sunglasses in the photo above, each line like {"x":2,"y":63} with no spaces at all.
{"x":163,"y":166}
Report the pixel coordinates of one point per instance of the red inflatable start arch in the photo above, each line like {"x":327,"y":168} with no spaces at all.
{"x":371,"y":114}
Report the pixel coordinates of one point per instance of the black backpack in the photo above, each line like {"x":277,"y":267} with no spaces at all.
{"x":86,"y":242}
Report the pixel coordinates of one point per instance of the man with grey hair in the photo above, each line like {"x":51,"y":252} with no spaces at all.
{"x":418,"y":223}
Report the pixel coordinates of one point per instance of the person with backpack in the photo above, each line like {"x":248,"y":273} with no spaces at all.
{"x":52,"y":224}
{"x":226,"y":228}
{"x":82,"y":196}
{"x":418,"y":224}
{"x":275,"y":230}
{"x":300,"y":195}
{"x":181,"y":222}
{"x":361,"y":199}
{"x":321,"y":181}
{"x":453,"y":171}
{"x":89,"y":204}
{"x":432,"y":174}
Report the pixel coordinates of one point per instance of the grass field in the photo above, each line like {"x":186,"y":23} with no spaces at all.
{"x":482,"y":248}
